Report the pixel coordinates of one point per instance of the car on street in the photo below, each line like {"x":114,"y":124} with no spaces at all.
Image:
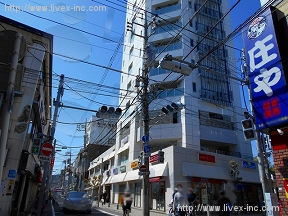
{"x":77,"y":201}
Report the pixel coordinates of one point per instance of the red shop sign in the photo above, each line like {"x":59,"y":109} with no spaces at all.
{"x":207,"y":158}
{"x":156,"y":179}
{"x":154,"y":158}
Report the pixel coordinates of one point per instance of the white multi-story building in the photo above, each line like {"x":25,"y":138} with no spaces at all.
{"x":98,"y":131}
{"x":200,"y":140}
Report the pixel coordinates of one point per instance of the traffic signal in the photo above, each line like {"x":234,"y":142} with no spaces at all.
{"x":111,"y":112}
{"x":174,"y":107}
{"x":160,"y":156}
{"x":37,"y":142}
{"x":248,"y":129}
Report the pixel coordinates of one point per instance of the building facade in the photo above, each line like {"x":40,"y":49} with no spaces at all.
{"x":279,"y":141}
{"x":203,"y":137}
{"x":29,"y":118}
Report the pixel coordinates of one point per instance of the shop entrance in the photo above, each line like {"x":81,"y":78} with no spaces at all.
{"x":157,"y":193}
{"x":108,"y":191}
{"x":137,"y":198}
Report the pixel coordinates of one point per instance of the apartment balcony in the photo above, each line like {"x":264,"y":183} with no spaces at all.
{"x":167,"y":28}
{"x":158,"y":71}
{"x":164,"y":32}
{"x":168,"y":9}
{"x":170,"y":93}
{"x":171,"y":47}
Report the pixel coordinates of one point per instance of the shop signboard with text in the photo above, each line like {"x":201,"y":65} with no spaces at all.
{"x":123,"y":169}
{"x":266,"y":75}
{"x":207,"y":158}
{"x":154,"y":158}
{"x":249,"y":165}
{"x":115,"y":171}
{"x":134,"y":165}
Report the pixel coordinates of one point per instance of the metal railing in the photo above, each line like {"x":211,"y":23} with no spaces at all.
{"x":167,"y":9}
{"x":171,"y":47}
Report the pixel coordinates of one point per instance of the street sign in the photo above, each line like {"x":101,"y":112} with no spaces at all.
{"x":145,"y":138}
{"x":147,"y":155}
{"x":47,"y":149}
{"x":143,"y":168}
{"x":143,"y":173}
{"x":146,"y":148}
{"x":44,"y":158}
{"x":52,"y":162}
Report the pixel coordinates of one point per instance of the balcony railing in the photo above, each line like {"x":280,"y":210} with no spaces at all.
{"x":229,"y":153}
{"x":166,"y":28}
{"x":158,"y":71}
{"x":174,"y":46}
{"x":170,"y":93}
{"x":167,"y":9}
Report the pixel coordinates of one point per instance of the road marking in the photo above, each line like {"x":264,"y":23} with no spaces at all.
{"x":107,"y":212}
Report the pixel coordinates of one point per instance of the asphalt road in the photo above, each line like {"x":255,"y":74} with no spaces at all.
{"x":58,"y":211}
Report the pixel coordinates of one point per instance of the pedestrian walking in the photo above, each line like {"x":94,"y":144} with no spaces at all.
{"x":179,"y":202}
{"x":225,"y":205}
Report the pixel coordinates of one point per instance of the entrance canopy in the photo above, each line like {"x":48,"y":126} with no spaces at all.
{"x":118,"y":178}
{"x":155,"y":171}
{"x":106,"y":180}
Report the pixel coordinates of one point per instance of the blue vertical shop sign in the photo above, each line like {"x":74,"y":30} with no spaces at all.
{"x":267,"y":80}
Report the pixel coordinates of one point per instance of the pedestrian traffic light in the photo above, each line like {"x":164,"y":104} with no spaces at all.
{"x":160,"y":156}
{"x":140,"y":159}
{"x":37,"y":142}
{"x":248,"y":129}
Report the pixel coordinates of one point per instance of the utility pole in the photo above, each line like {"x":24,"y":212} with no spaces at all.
{"x":64,"y":176}
{"x":52,"y":132}
{"x":145,"y":117}
{"x":9,"y":99}
{"x":99,"y":189}
{"x":145,"y":104}
{"x":70,"y":173}
{"x":51,"y":167}
{"x":265,"y":182}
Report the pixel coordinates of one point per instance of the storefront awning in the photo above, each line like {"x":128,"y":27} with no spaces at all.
{"x":159,"y":170}
{"x":193,"y":169}
{"x":106,"y":180}
{"x":123,"y":148}
{"x":111,"y":155}
{"x":118,"y":178}
{"x":132,"y":175}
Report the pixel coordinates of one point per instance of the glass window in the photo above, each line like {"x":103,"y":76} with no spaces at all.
{"x":123,"y":157}
{"x":157,"y":197}
{"x":130,"y":68}
{"x":131,"y":52}
{"x":191,"y":42}
{"x":194,"y":86}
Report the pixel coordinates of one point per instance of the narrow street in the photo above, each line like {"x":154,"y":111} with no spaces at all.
{"x":59,"y":211}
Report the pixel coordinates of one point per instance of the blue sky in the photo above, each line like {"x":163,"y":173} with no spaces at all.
{"x":109,"y":23}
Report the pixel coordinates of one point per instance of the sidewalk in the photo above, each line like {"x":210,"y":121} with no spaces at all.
{"x":49,"y":209}
{"x":136,"y":211}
